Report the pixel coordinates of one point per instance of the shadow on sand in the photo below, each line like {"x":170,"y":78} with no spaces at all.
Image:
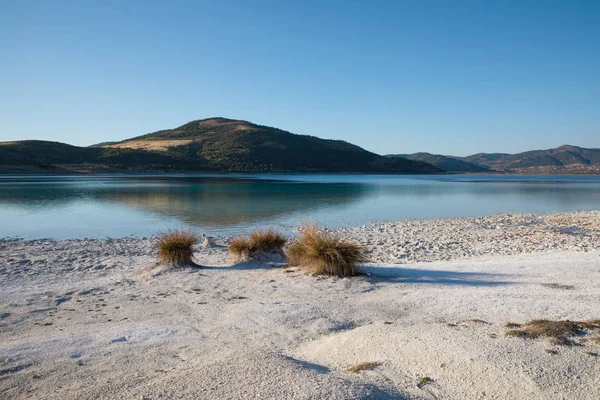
{"x":436,"y":277}
{"x":393,"y":274}
{"x":248,"y":265}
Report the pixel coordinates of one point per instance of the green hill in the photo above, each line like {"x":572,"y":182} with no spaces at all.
{"x":447,"y":163}
{"x":214,"y":144}
{"x":240,"y":146}
{"x":563,"y":156}
{"x":563,"y":159}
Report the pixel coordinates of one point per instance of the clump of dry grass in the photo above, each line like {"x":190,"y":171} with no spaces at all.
{"x":364,"y":366}
{"x":325,"y":254}
{"x":474,"y":321}
{"x":558,"y":286}
{"x":257,"y":243}
{"x":512,"y":325}
{"x":558,"y":332}
{"x":175,"y":247}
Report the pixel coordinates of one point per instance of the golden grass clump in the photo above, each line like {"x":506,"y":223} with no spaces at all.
{"x":558,"y":332}
{"x":364,"y":366}
{"x":512,"y":325}
{"x":325,"y":254}
{"x":175,"y":247}
{"x":257,"y":243}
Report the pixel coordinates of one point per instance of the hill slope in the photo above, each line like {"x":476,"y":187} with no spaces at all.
{"x":563,"y":156}
{"x":55,"y":155}
{"x":564,"y":159}
{"x":214,"y":144}
{"x":447,"y":163}
{"x":232,"y":145}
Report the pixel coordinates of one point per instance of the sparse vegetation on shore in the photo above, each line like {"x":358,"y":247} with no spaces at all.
{"x":175,"y":247}
{"x":326,"y":254}
{"x":558,"y":332}
{"x":257,"y":243}
{"x":364,"y":366}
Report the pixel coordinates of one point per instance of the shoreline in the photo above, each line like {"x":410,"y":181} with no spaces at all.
{"x":84,"y":318}
{"x":426,"y":240}
{"x":64,"y":171}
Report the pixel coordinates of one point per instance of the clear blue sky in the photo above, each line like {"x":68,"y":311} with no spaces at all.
{"x":451,"y":77}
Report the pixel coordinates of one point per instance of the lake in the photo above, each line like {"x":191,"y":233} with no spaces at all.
{"x":222,"y":204}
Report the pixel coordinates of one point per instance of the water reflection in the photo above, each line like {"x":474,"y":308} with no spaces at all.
{"x":141,"y":205}
{"x":216,"y":204}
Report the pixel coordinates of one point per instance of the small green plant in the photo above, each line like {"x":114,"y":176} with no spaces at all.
{"x":257,"y":243}
{"x":424,"y":381}
{"x":325,"y":254}
{"x":364,"y":366}
{"x":175,"y":247}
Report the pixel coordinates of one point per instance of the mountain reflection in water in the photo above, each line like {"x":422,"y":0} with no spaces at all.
{"x":117,"y":205}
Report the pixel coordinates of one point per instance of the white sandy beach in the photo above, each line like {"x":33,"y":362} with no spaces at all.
{"x":88,"y":319}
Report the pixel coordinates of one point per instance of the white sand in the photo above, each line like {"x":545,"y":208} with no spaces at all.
{"x":84,"y":319}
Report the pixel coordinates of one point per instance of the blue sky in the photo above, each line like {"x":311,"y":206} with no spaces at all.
{"x":450,"y":77}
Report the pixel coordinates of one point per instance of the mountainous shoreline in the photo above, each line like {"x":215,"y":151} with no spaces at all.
{"x":227,"y":145}
{"x":209,"y":145}
{"x":561,"y":160}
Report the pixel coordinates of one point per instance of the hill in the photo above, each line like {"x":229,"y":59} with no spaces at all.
{"x":561,"y":157}
{"x":447,"y":163}
{"x":561,"y":160}
{"x":213,"y":144}
{"x":240,"y":146}
{"x":38,"y":156}
{"x":484,"y":159}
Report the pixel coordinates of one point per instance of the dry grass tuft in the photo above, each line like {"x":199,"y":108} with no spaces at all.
{"x":175,"y":247}
{"x":325,"y":254}
{"x":558,"y":286}
{"x":474,"y":321}
{"x":512,"y":325}
{"x":517,"y":333}
{"x":258,"y":242}
{"x":364,"y":366}
{"x":240,"y":248}
{"x":559,"y":333}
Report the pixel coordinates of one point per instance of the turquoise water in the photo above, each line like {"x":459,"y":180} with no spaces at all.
{"x":122,"y":205}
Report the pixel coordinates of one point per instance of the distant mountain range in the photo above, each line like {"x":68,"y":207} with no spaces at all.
{"x":213,"y":144}
{"x":563,"y":159}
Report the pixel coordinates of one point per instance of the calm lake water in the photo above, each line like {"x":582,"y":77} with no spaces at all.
{"x":120,"y":205}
